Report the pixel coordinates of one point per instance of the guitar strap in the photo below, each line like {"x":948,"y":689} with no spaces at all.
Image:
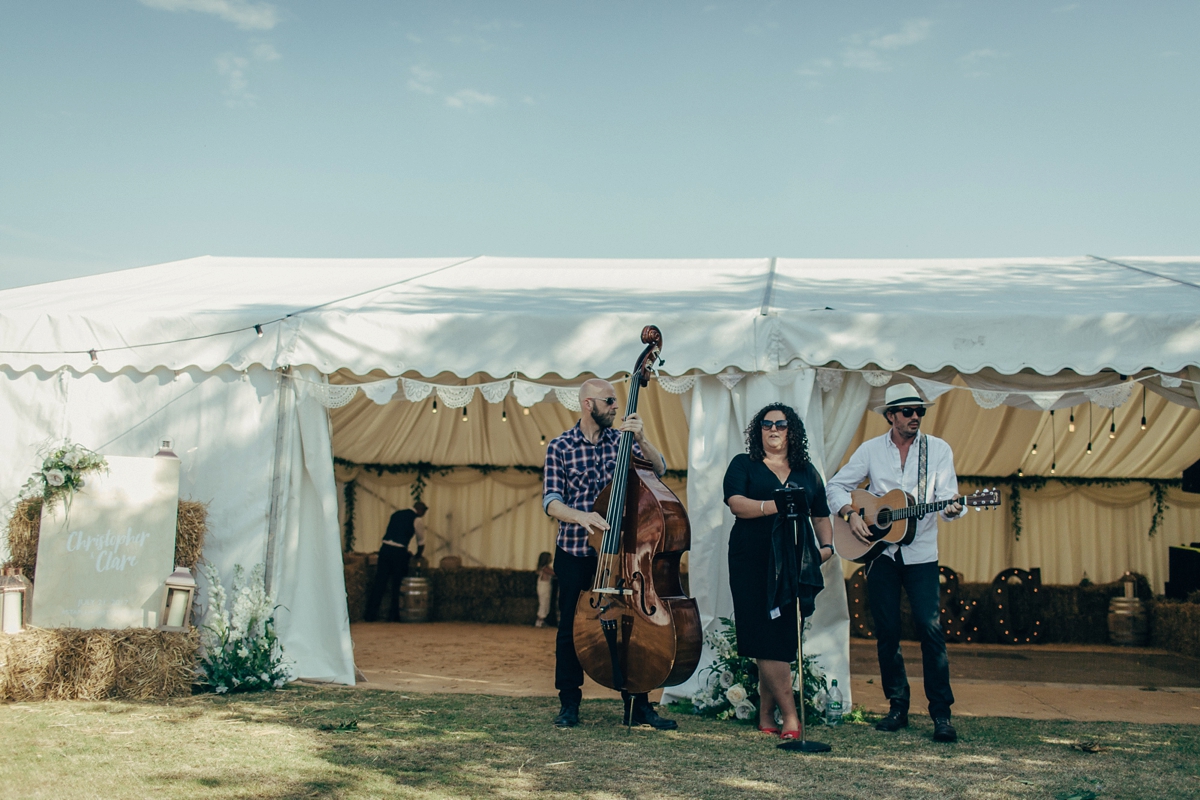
{"x":922,"y":469}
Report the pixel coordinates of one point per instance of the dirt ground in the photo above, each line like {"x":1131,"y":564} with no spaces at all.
{"x":1077,"y":682}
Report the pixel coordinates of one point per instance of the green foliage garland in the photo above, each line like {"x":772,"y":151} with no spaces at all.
{"x":350,"y":496}
{"x":1015,"y":483}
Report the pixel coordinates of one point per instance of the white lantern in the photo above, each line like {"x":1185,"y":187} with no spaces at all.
{"x":175,"y":614}
{"x":15,"y":609}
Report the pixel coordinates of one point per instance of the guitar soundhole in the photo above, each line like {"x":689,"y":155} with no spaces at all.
{"x":883,"y":521}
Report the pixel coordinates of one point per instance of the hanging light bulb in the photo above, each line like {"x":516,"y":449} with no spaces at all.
{"x":95,"y":358}
{"x":258,"y":330}
{"x":504,"y":416}
{"x":525,"y":411}
{"x":1143,"y":406}
{"x":1020,"y":473}
{"x":1143,"y":423}
{"x":1033,"y":452}
{"x":1112,"y":429}
{"x":435,"y":405}
{"x":543,"y":440}
{"x":1052,"y":467}
{"x":1089,"y":450}
{"x":464,"y":416}
{"x":1071,"y":426}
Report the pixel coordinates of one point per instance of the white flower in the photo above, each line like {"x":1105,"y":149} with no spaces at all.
{"x":222,"y":688}
{"x":726,"y":679}
{"x":744,"y":710}
{"x":71,"y":458}
{"x":735,"y":694}
{"x":55,"y":477}
{"x":265,"y":677}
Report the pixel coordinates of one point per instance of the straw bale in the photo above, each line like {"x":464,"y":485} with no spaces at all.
{"x":190,"y":529}
{"x":73,"y":664}
{"x":1175,"y":626}
{"x":355,"y":571}
{"x":22,"y":535}
{"x":26,"y":522}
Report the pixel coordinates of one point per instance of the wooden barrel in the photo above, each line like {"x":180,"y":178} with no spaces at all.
{"x":416,"y":600}
{"x":1127,"y":622}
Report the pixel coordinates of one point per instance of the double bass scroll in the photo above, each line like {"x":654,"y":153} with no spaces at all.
{"x":636,"y":629}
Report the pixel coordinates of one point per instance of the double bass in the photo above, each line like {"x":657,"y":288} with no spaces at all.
{"x":636,"y":629}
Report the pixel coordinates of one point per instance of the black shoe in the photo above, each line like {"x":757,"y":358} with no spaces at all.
{"x":894,"y":721}
{"x":943,"y":731}
{"x":568,"y":717}
{"x":639,"y":712}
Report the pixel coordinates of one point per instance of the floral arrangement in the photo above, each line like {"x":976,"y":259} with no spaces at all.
{"x":730,"y":684}
{"x":241,"y":651}
{"x":62,"y":472}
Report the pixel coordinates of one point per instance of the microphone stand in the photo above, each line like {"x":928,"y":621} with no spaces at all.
{"x":790,"y":502}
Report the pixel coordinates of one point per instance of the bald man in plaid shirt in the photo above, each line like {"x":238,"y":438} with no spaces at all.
{"x":579,"y":464}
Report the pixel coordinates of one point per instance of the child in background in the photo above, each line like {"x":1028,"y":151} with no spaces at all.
{"x":545,"y":575}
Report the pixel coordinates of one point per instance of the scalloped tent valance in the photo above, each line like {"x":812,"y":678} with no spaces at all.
{"x":567,"y":317}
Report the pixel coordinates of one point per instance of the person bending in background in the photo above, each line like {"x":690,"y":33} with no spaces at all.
{"x":404,"y":525}
{"x":579,"y":464}
{"x":765,"y":606}
{"x":545,"y":577}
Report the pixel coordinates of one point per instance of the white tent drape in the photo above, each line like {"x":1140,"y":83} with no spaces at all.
{"x":716,"y":420}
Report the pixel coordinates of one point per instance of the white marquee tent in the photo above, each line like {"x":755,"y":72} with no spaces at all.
{"x":231,"y":357}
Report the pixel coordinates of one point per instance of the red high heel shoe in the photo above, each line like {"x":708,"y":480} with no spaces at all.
{"x":789,"y":736}
{"x":769,"y":731}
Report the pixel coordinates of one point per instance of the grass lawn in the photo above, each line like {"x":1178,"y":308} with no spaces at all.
{"x":318,"y":742}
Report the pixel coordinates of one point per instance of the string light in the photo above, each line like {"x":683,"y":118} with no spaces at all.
{"x":1053,"y":444}
{"x":1143,"y":406}
{"x":464,"y":416}
{"x":1071,"y":426}
{"x":95,"y":358}
{"x":435,"y":405}
{"x":1112,"y":426}
{"x":1033,"y":452}
{"x":543,"y":440}
{"x":1020,"y":472}
{"x":525,"y":411}
{"x":258,"y":330}
{"x":504,"y":416}
{"x":1090,"y":428}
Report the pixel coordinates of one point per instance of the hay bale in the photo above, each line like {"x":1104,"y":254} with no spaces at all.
{"x":1175,"y":626}
{"x":26,"y":523}
{"x":354,"y":571}
{"x":73,"y":664}
{"x":191,"y":526}
{"x":22,"y":535}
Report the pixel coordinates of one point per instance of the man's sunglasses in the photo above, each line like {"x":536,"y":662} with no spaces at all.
{"x":608,"y":401}
{"x":777,"y":424}
{"x":909,"y":411}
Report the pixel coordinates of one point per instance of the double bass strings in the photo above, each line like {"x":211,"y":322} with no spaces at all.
{"x":616,"y":499}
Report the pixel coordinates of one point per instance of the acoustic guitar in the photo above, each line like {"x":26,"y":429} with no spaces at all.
{"x":887,"y":519}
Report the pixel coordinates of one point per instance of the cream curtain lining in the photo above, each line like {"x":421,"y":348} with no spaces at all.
{"x":497,"y":519}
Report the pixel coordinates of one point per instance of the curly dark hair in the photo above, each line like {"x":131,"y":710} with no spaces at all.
{"x":797,"y":437}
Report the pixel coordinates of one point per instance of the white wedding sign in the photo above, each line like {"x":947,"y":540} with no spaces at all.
{"x":104,"y":554}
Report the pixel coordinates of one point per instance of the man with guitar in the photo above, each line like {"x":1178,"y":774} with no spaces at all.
{"x":579,"y":464}
{"x":923,"y":466}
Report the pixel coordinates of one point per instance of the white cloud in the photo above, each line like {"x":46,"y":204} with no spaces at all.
{"x":233,"y":67}
{"x":245,"y":14}
{"x":974,"y":61}
{"x":266,"y":52}
{"x":469,"y":98}
{"x":412,"y":37}
{"x":863,"y":50}
{"x":914,"y":31}
{"x":529,"y":101}
{"x":422,"y":80}
{"x":816,"y":67}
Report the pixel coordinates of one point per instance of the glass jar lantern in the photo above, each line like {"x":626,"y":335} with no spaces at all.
{"x":15,"y":606}
{"x":176,"y":612}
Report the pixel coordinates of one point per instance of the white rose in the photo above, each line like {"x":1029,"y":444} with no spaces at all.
{"x":735,"y":694}
{"x":55,"y":477}
{"x":726,"y":679}
{"x":71,"y":459}
{"x":744,"y":710}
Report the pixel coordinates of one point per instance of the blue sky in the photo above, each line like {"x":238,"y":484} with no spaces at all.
{"x":141,"y":131}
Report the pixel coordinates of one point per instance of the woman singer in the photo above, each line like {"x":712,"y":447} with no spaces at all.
{"x":759,"y":552}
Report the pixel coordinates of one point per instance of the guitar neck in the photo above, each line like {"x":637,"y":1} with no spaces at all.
{"x":921,"y":509}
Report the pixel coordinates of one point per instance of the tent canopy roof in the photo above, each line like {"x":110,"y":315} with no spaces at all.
{"x":540,"y":316}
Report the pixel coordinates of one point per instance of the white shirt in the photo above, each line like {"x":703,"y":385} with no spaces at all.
{"x":879,"y":460}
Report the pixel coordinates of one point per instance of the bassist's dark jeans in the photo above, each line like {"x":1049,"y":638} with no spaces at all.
{"x":884,"y":579}
{"x":575,"y":575}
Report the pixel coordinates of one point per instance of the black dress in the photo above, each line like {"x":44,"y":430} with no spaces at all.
{"x":758,"y":635}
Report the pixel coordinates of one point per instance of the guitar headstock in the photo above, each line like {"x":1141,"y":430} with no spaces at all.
{"x":984,"y":498}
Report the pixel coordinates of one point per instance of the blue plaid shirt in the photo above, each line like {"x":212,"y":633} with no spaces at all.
{"x":576,"y":472}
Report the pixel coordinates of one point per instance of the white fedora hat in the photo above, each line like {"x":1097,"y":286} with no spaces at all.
{"x":902,"y":394}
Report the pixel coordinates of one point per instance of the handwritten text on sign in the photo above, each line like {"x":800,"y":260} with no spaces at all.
{"x":103,"y":557}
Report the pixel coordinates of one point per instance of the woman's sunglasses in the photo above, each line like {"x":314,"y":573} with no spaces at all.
{"x":777,"y":424}
{"x":908,"y":412}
